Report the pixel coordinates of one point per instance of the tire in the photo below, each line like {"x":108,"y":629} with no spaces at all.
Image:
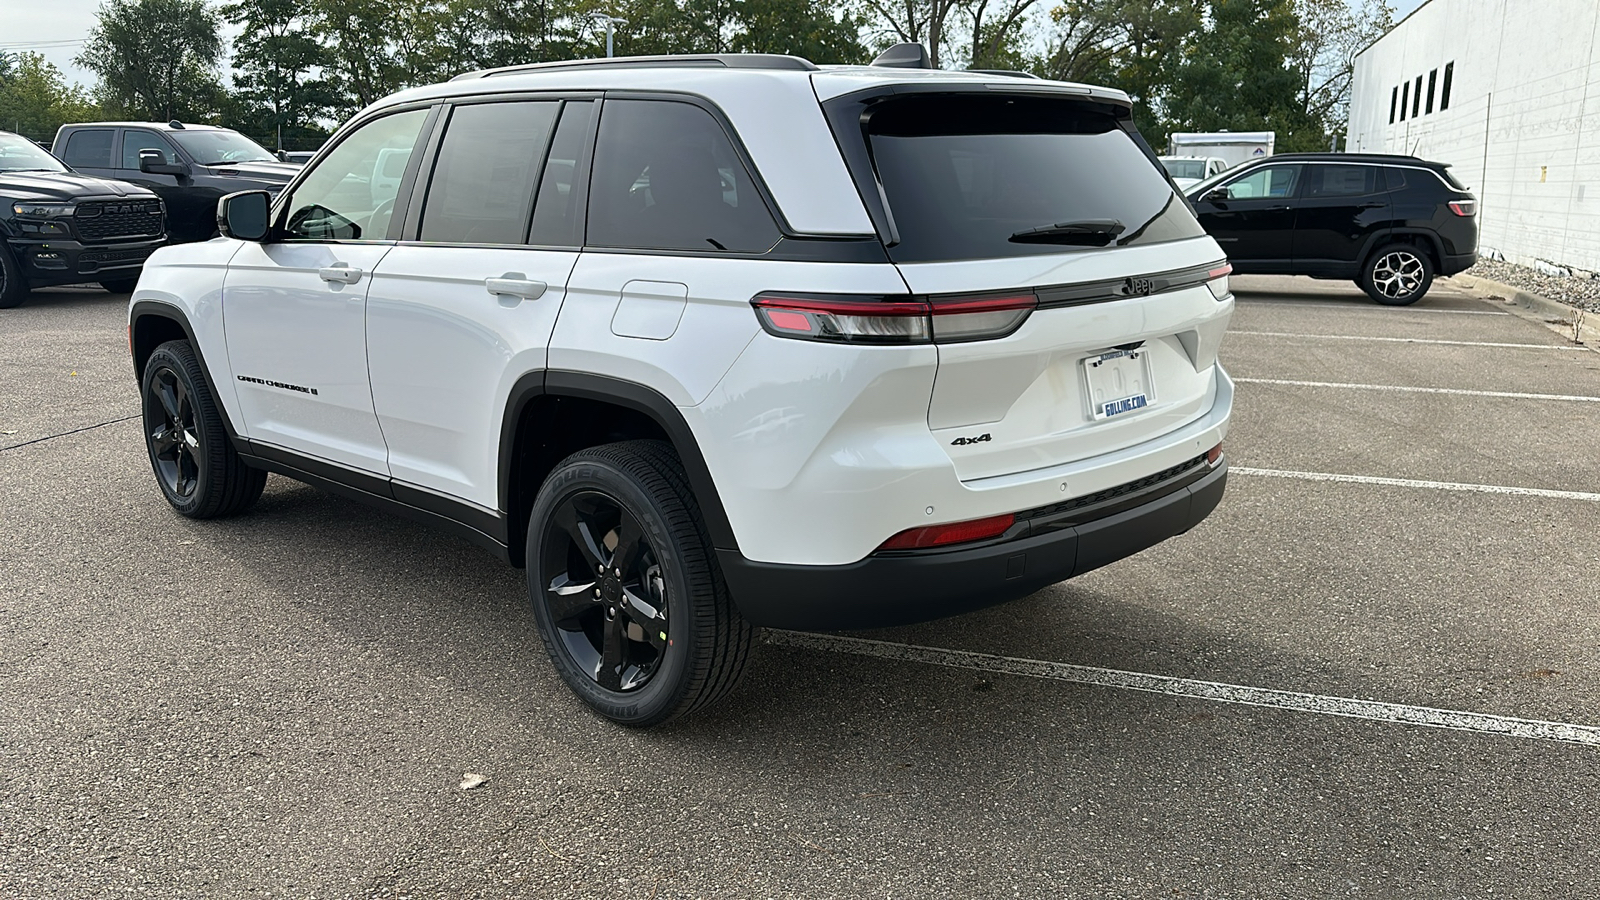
{"x":195,"y":464}
{"x":120,"y":285}
{"x":13,"y":288}
{"x":657,"y":635}
{"x":1397,"y":274}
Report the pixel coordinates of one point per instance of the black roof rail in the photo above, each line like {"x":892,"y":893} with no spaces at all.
{"x":1009,"y":72}
{"x":706,"y":60}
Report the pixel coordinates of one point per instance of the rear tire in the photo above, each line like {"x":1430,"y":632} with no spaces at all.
{"x":626,"y":590}
{"x":13,"y":289}
{"x":195,"y":464}
{"x":1397,"y":274}
{"x":120,"y":285}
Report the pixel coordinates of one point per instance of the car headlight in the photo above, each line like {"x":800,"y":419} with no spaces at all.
{"x":40,"y":210}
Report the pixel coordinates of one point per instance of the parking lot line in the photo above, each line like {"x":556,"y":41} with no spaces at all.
{"x":1510,"y":395}
{"x":1414,"y":483}
{"x":1217,"y":692}
{"x":1401,"y":340}
{"x":1368,"y":307}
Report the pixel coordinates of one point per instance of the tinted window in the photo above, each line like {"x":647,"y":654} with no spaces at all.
{"x":1433,"y":81}
{"x":1341,"y":181}
{"x":1416,"y":98}
{"x":1405,"y":99}
{"x":135,"y":141}
{"x":89,"y":147}
{"x":1394,"y":98}
{"x":666,"y":177}
{"x":558,"y":214}
{"x":221,"y":145}
{"x":1395,"y":179}
{"x":482,"y":187}
{"x":1268,"y":182}
{"x":983,"y":177}
{"x":350,"y":194}
{"x":1449,"y":76}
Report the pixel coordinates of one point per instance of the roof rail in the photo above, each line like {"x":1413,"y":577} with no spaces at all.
{"x":706,"y":60}
{"x":1010,"y":72}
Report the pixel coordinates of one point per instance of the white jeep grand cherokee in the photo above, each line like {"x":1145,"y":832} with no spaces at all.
{"x":711,"y":343}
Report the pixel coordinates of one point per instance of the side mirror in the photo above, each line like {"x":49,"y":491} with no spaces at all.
{"x":245,"y":215}
{"x":154,"y":162}
{"x":282,"y":155}
{"x":1216,"y":195}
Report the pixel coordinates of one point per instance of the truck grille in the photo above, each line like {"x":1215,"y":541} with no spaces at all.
{"x":106,"y":220}
{"x":94,"y":260}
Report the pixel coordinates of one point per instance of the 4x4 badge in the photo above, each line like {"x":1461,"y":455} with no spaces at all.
{"x":964,"y":441}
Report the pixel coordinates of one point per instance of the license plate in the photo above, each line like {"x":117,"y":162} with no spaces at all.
{"x":1119,"y":382}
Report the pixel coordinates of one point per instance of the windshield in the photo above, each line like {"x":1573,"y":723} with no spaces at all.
{"x":210,"y":148}
{"x":18,"y":154}
{"x":985,"y":177}
{"x":1185,"y":168}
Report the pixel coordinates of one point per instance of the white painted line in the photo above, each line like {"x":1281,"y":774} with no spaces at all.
{"x":1218,"y":692}
{"x":1368,"y":307}
{"x":1400,"y":340}
{"x":1413,"y":483}
{"x":1510,"y":395}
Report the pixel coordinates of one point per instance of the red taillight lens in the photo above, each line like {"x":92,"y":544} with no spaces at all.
{"x":950,"y":533}
{"x":855,"y":319}
{"x":1218,"y":282}
{"x":1464,"y":207}
{"x":1214,"y":454}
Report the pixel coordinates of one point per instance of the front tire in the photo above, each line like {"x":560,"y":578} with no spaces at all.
{"x":195,"y":464}
{"x":13,"y":289}
{"x":1397,"y":275}
{"x":626,"y":591}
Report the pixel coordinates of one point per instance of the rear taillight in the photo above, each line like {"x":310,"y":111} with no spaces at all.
{"x":1218,"y":281}
{"x":950,"y":533}
{"x":1464,"y":207}
{"x":854,"y":319}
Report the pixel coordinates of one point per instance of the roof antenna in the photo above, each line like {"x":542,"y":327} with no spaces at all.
{"x":904,"y":56}
{"x":175,"y":124}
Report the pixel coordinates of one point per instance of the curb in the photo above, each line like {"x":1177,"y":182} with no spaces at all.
{"x":1543,"y":307}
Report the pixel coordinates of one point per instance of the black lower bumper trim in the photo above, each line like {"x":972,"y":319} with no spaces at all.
{"x":901,"y":589}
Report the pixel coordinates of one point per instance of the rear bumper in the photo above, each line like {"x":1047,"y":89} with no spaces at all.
{"x":1450,"y":265}
{"x":1048,"y":545}
{"x":52,"y":262}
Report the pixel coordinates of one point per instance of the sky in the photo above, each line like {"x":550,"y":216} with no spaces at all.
{"x":57,"y":28}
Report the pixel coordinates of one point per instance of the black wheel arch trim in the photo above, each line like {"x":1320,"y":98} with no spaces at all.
{"x":631,"y":395}
{"x":1378,"y":238}
{"x":144,"y":309}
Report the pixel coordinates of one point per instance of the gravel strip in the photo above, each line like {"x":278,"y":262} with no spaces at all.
{"x":1580,"y":289}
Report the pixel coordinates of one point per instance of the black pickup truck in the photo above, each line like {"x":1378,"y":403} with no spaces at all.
{"x":60,"y":227}
{"x":190,"y":166}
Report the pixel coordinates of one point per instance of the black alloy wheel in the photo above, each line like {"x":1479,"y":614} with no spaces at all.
{"x":626,"y":593}
{"x":605,"y":591}
{"x":199,"y":471}
{"x":13,"y":288}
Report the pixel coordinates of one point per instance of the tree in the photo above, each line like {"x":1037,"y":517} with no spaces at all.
{"x":279,"y":93}
{"x":1331,"y":33}
{"x":1235,"y":74}
{"x":156,"y":59}
{"x":35,"y":98}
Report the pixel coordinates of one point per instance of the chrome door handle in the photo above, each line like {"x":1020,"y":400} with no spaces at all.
{"x":340,"y":274}
{"x":515,"y":287}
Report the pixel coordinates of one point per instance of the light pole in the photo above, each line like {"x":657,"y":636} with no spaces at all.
{"x":609,"y":22}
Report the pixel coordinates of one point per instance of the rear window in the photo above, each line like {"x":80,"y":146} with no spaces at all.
{"x":987,"y":177}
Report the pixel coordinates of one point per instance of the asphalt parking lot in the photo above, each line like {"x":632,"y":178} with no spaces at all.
{"x":283,"y":705}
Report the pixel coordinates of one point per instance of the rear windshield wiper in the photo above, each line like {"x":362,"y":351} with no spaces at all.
{"x":1089,"y":232}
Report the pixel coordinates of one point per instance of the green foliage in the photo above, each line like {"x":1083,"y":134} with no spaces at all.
{"x":279,"y":96}
{"x":157,"y":59}
{"x":35,"y":99}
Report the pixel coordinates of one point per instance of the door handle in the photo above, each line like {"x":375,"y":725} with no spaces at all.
{"x":340,"y":274}
{"x":1276,"y":208}
{"x":512,"y":285}
{"x":1372,"y":206}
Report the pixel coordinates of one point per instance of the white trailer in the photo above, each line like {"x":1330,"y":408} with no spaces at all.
{"x":1233,"y":146}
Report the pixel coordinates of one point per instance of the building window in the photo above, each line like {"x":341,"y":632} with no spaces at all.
{"x":1444,"y":98}
{"x":1416,"y":98}
{"x":1405,"y":99}
{"x":1433,"y":79}
{"x":1394,"y":98}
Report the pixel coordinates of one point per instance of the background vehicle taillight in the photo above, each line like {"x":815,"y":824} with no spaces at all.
{"x":1464,"y":207}
{"x":855,"y":319}
{"x":1218,"y":282}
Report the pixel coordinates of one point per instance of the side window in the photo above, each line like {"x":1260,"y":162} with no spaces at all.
{"x":135,"y":141}
{"x":350,"y":194}
{"x":1269,"y":182}
{"x":1395,"y":179}
{"x":482,"y":186}
{"x":558,"y":214}
{"x":666,"y":177}
{"x":1342,"y":181}
{"x":89,"y":147}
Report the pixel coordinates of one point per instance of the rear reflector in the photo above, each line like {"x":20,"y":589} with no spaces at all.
{"x":1214,"y":454}
{"x":892,"y":320}
{"x":1464,"y":207}
{"x":950,"y":533}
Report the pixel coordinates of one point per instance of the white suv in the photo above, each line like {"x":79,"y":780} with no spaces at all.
{"x":710,"y":343}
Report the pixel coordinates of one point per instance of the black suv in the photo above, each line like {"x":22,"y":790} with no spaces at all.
{"x":1390,"y":223}
{"x":59,"y":227}
{"x":189,"y":166}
